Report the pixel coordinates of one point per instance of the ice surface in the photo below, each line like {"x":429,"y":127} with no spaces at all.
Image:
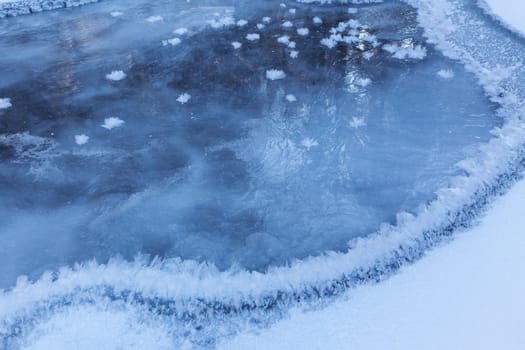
{"x":112,"y":122}
{"x":240,"y":175}
{"x":226,"y":177}
{"x":81,"y":139}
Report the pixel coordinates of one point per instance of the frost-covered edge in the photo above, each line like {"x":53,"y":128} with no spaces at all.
{"x":488,"y":10}
{"x":187,"y":287}
{"x":24,"y":7}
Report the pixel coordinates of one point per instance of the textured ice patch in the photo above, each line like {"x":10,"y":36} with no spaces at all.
{"x":184,"y":98}
{"x":253,"y":36}
{"x":5,"y":103}
{"x":81,"y":139}
{"x":446,"y":74}
{"x":116,"y":75}
{"x":275,"y":74}
{"x":112,"y":122}
{"x":154,"y":19}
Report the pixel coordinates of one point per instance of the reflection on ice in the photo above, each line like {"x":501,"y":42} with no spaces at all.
{"x":217,"y":157}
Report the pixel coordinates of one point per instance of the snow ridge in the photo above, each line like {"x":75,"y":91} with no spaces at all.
{"x":25,"y":7}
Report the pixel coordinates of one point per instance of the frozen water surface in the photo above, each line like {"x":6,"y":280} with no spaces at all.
{"x":237,"y":175}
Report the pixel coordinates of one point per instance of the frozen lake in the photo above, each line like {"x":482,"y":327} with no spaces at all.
{"x":221,"y":131}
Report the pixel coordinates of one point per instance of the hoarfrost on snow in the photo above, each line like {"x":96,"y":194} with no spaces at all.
{"x":236,"y":45}
{"x":309,"y":143}
{"x":153,"y":19}
{"x":291,"y":98}
{"x":184,"y":98}
{"x":404,"y":51}
{"x":446,"y":74}
{"x":253,"y":36}
{"x":116,"y":14}
{"x":221,"y":22}
{"x":357,"y":122}
{"x":242,"y":22}
{"x":287,"y":24}
{"x":303,"y":31}
{"x":285,"y":39}
{"x":180,"y":31}
{"x":81,"y":139}
{"x":116,"y":75}
{"x":172,"y":42}
{"x":5,"y":103}
{"x":112,"y":122}
{"x":275,"y":74}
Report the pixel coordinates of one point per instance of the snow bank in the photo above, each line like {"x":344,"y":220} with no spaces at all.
{"x":466,"y":295}
{"x":509,"y":12}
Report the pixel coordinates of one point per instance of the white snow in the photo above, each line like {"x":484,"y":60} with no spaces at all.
{"x":112,"y":122}
{"x":402,"y":52}
{"x":154,"y":19}
{"x":317,"y":20}
{"x":116,"y":13}
{"x":352,"y":10}
{"x":291,"y":98}
{"x":184,"y":98}
{"x":309,"y":143}
{"x":285,"y":39}
{"x":287,"y":24}
{"x":260,"y":26}
{"x":511,"y":12}
{"x":275,"y":74}
{"x":292,"y":44}
{"x":180,"y":31}
{"x":116,"y":75}
{"x":294,"y":54}
{"x":242,"y":22}
{"x":236,"y":45}
{"x":357,"y":122}
{"x":253,"y":36}
{"x":303,"y":31}
{"x":446,"y":74}
{"x":5,"y":103}
{"x":266,"y":20}
{"x":172,"y":42}
{"x":81,"y":139}
{"x":292,"y":11}
{"x":464,"y":295}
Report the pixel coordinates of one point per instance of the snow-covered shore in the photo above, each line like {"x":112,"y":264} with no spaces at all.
{"x":465,"y":295}
{"x":509,"y":12}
